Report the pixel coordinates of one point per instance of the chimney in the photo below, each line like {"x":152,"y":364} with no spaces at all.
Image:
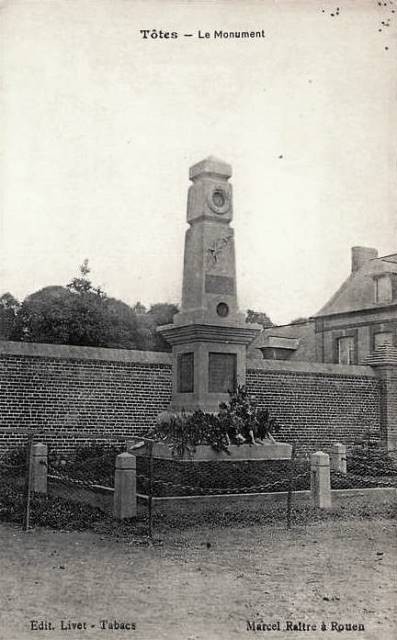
{"x":361,"y":255}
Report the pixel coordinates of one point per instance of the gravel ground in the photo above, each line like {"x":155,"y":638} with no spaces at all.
{"x":204,"y":583}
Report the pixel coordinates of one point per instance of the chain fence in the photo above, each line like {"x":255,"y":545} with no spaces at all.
{"x":180,"y":491}
{"x":21,"y":502}
{"x":176,"y":492}
{"x":15,"y":479}
{"x":367,"y":467}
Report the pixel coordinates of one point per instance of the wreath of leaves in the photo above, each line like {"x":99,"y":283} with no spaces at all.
{"x":237,"y":422}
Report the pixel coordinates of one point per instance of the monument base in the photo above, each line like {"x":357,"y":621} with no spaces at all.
{"x":205,"y":453}
{"x":209,"y":361}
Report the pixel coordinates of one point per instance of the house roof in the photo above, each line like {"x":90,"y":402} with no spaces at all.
{"x":357,"y":291}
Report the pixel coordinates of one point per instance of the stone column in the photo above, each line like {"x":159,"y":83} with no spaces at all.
{"x":384,"y":363}
{"x":38,"y":468}
{"x":124,"y":504}
{"x":320,"y":485}
{"x":338,"y":457}
{"x":209,"y":335}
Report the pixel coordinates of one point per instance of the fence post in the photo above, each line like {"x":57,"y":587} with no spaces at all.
{"x":39,"y":468}
{"x":150,"y":490}
{"x":28,"y":482}
{"x":320,"y":482}
{"x":338,"y":457}
{"x":291,"y":485}
{"x":124,"y":502}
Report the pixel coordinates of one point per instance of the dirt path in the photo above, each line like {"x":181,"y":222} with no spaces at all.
{"x":204,"y":584}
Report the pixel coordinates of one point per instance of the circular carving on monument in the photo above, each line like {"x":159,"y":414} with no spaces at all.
{"x":219,"y":200}
{"x":222,"y":309}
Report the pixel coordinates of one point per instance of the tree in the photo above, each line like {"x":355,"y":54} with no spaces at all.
{"x":158,"y":314}
{"x":82,"y":284}
{"x":82,"y":314}
{"x":78,"y":314}
{"x":300,"y":320}
{"x":258,"y":317}
{"x":9,"y":307}
{"x":44,"y":316}
{"x":139,"y":308}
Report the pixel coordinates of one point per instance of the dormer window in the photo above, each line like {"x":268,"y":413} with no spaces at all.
{"x":383,"y":289}
{"x":346,"y":350}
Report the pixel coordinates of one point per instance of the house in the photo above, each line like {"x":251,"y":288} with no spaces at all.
{"x":358,"y":319}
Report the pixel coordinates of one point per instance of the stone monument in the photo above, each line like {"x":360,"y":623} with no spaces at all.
{"x":209,"y":336}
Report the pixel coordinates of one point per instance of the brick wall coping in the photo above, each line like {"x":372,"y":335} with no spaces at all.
{"x":310,"y":368}
{"x":71,"y":352}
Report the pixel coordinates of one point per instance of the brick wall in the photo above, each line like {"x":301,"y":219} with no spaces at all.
{"x":71,"y":395}
{"x":317,"y":404}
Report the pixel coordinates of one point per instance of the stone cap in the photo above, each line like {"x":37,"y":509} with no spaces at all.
{"x":125,"y":461}
{"x":320,"y":458}
{"x":39,"y":449}
{"x":210,"y":166}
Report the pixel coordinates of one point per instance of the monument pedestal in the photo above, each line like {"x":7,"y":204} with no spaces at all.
{"x":208,"y":362}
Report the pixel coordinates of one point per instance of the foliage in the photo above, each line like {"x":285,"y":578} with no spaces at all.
{"x":239,"y":420}
{"x":300,"y":320}
{"x":258,"y":317}
{"x":82,"y":284}
{"x":13,"y":462}
{"x":94,"y":463}
{"x":217,"y":476}
{"x":9,"y":307}
{"x":302,"y":514}
{"x":78,"y":314}
{"x":83,"y":314}
{"x":139,"y":308}
{"x":148,"y":321}
{"x":183,"y":432}
{"x":241,"y":415}
{"x":47,"y":511}
{"x":367,"y":460}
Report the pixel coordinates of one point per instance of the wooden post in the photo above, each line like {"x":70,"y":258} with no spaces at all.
{"x":150,"y":490}
{"x":39,"y":468}
{"x":291,"y":487}
{"x":28,"y":480}
{"x":320,"y":485}
{"x":124,"y":501}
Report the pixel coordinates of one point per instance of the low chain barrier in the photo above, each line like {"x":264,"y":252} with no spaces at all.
{"x":15,"y":483}
{"x":367,"y":467}
{"x":23,"y":481}
{"x":175,"y":478}
{"x":155,"y":479}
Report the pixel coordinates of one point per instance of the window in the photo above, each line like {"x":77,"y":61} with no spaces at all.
{"x":222,"y":372}
{"x":383,"y":338}
{"x":383,"y":290}
{"x":346,"y":350}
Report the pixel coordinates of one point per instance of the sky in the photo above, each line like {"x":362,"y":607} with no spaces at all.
{"x":102,"y":125}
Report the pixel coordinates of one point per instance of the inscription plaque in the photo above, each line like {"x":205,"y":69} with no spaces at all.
{"x":219,"y":284}
{"x":185,"y":372}
{"x":222,"y":372}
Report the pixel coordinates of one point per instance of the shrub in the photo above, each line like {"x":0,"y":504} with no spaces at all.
{"x":94,"y":462}
{"x":239,"y":420}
